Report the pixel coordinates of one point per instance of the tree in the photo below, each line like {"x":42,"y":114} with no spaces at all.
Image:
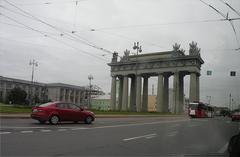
{"x":17,"y":96}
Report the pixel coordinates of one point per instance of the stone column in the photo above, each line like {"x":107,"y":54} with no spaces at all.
{"x":193,"y":87}
{"x":160,"y":93}
{"x":175,"y":92}
{"x":181,"y":94}
{"x":113,"y":93}
{"x":69,"y":95}
{"x":138,"y":93}
{"x":120,"y":90}
{"x":40,"y":93}
{"x":64,"y":94}
{"x":133,"y":94}
{"x":145,"y":94}
{"x":4,"y":91}
{"x":79,"y":97}
{"x":74,"y":96}
{"x":166,"y":93}
{"x":125,"y":94}
{"x":198,"y":88}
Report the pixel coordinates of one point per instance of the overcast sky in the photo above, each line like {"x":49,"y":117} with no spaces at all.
{"x":156,"y":24}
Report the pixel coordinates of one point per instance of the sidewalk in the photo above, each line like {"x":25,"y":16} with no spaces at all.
{"x":27,"y":115}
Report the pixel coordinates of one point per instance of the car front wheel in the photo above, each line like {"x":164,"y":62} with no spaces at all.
{"x":54,"y":119}
{"x":88,"y":120}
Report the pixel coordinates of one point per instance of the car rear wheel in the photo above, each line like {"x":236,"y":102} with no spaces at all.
{"x":54,"y":119}
{"x":88,"y":120}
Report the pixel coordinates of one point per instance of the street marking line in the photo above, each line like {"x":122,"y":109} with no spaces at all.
{"x":172,"y":133}
{"x":149,"y":137}
{"x":137,"y":137}
{"x":175,"y":125}
{"x":138,"y":124}
{"x":62,"y":129}
{"x":4,"y":133}
{"x":193,"y":125}
{"x":79,"y":128}
{"x":28,"y":131}
{"x":45,"y":130}
{"x":223,"y":149}
{"x":16,"y":127}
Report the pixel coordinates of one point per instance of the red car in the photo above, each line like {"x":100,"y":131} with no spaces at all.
{"x":235,"y":116}
{"x":55,"y":112}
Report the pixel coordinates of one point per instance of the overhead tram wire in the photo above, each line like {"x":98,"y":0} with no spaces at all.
{"x":237,"y":12}
{"x":227,"y":19}
{"x":128,"y":38}
{"x":162,"y":24}
{"x":51,"y":2}
{"x":30,"y":28}
{"x":56,"y":28}
{"x":6,"y":8}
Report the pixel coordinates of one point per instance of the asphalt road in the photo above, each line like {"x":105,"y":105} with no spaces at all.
{"x":155,"y":136}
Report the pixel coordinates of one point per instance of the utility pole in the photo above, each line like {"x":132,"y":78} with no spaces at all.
{"x":34,"y":64}
{"x":90,"y":78}
{"x":230,"y":100}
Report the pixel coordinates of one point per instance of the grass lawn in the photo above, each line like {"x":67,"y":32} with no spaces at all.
{"x":14,"y":109}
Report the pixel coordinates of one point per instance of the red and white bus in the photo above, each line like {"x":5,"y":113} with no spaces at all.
{"x":200,"y":110}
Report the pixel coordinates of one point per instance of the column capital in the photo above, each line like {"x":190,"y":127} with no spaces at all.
{"x":146,"y":76}
{"x":167,"y":74}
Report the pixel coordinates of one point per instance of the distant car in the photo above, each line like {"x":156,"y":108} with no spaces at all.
{"x":235,"y":116}
{"x":55,"y":112}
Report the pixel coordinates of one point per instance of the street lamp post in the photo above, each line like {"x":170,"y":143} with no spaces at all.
{"x":209,"y":99}
{"x":34,"y":64}
{"x":137,"y":47}
{"x":139,"y":50}
{"x":90,"y":78}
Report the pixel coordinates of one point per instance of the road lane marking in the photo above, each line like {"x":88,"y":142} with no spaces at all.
{"x":45,"y":130}
{"x":1,"y":133}
{"x":200,"y":120}
{"x":62,"y":129}
{"x":138,"y":137}
{"x":79,"y":128}
{"x":28,"y":131}
{"x":138,"y":124}
{"x":223,"y":149}
{"x":16,"y":127}
{"x":174,"y":133}
{"x":149,"y":137}
{"x":175,"y":125}
{"x":193,"y":125}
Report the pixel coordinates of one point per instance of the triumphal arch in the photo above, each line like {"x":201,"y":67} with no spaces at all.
{"x":139,"y":68}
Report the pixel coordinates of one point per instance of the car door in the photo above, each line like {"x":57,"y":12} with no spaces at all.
{"x":64,"y":111}
{"x":76,"y":113}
